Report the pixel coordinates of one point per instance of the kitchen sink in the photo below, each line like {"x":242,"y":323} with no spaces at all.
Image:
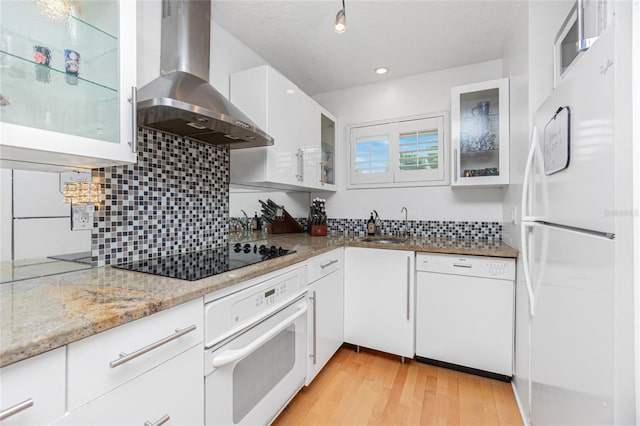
{"x":384,"y":240}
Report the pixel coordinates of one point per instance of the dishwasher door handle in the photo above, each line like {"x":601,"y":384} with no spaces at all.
{"x":462,"y":265}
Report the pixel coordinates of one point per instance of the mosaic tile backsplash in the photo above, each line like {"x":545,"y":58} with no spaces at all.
{"x":422,"y":228}
{"x":174,"y":200}
{"x":489,"y":231}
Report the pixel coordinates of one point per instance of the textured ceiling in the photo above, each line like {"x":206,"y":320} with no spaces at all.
{"x":409,"y":37}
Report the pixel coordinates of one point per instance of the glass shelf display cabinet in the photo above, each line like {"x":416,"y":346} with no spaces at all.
{"x":480,"y":134}
{"x":67,"y":83}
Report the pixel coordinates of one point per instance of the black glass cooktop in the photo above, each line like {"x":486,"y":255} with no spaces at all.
{"x":201,"y":264}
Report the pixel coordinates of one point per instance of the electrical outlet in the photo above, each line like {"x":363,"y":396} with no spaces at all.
{"x":514,"y":215}
{"x":81,"y":216}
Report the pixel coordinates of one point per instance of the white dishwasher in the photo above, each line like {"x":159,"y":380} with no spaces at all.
{"x":465,"y":313}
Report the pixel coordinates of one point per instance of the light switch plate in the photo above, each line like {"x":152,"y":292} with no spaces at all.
{"x":81,"y":216}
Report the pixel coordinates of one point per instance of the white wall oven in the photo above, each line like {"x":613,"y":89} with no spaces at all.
{"x":255,"y":351}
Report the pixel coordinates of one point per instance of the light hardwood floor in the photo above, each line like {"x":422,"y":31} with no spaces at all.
{"x":373,"y":388}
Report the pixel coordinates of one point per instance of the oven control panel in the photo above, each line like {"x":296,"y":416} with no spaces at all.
{"x":226,"y":313}
{"x":271,"y":296}
{"x":264,"y":298}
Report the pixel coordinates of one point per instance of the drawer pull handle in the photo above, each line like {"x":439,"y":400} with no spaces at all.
{"x":124,"y":357}
{"x":462,"y":265}
{"x":5,"y":414}
{"x":162,"y":421}
{"x":326,"y":265}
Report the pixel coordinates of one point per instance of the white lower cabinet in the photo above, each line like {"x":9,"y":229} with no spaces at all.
{"x":96,"y":366}
{"x":326,"y":310}
{"x":32,"y":391}
{"x":171,"y":394}
{"x":379,"y":299}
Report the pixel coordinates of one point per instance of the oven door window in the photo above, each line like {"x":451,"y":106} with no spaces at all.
{"x":257,"y":374}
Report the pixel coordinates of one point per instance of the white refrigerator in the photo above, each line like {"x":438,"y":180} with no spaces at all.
{"x":568,"y":245}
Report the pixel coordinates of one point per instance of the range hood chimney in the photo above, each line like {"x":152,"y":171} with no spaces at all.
{"x":181,"y":101}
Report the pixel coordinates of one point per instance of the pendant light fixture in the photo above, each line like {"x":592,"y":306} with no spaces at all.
{"x":341,"y":21}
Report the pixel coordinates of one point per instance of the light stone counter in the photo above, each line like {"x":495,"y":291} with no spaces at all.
{"x":40,"y":314}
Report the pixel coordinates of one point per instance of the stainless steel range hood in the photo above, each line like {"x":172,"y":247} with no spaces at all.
{"x":181,"y":101}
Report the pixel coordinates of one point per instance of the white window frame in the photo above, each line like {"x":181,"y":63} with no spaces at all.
{"x":393,"y":128}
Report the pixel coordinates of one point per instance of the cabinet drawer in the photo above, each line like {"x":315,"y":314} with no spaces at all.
{"x":91,"y":368}
{"x":39,"y":379}
{"x":324,"y":264}
{"x":174,"y":389}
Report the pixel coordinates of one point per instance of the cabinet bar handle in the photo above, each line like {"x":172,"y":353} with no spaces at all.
{"x":455,"y":165}
{"x":162,"y":421}
{"x":5,"y":414}
{"x":300,"y":160}
{"x":408,"y":288}
{"x":315,"y":337}
{"x":326,"y":265}
{"x":134,"y":119}
{"x":302,"y":165}
{"x":124,"y":357}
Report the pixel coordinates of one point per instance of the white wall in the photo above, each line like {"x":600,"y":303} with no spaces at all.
{"x":296,"y":203}
{"x":418,"y":94}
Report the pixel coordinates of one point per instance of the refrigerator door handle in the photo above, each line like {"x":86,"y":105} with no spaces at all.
{"x":526,"y":217}
{"x":526,"y":222}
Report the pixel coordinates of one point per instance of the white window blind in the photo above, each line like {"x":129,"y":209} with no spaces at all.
{"x":420,"y":150}
{"x":371,"y":155}
{"x":401,"y":152}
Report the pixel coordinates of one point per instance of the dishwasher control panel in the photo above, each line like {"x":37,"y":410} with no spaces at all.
{"x":476,"y":266}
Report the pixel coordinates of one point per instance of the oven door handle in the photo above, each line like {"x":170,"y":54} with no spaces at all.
{"x":233,"y":355}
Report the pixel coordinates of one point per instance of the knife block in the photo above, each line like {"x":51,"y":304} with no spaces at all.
{"x":317,"y":230}
{"x":285,"y":225}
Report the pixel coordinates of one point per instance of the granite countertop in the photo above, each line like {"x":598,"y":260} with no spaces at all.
{"x":40,"y":314}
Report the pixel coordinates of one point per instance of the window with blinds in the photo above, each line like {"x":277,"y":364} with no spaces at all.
{"x":419,"y":150}
{"x":400,"y":153}
{"x":372,"y":155}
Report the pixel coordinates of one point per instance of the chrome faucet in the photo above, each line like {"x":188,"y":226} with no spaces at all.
{"x":238,"y":221}
{"x":378,"y":223}
{"x":406,"y":221}
{"x":246,"y":221}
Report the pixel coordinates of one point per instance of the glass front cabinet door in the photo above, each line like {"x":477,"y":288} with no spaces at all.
{"x":327,"y":151}
{"x":480,"y":134}
{"x":67,"y":83}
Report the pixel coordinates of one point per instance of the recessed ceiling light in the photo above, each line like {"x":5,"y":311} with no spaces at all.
{"x":290,"y":91}
{"x":381,"y":70}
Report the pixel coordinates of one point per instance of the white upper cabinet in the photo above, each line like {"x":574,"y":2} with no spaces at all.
{"x":66,"y":78}
{"x":480,"y":134}
{"x":293,"y":119}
